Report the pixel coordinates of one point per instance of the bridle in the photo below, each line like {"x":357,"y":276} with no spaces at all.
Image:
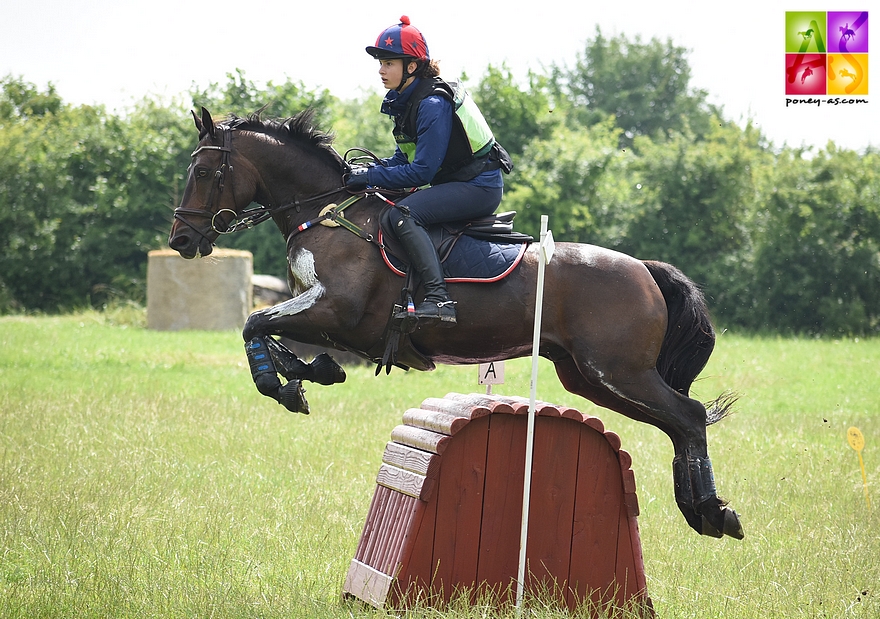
{"x":331,"y":215}
{"x":216,"y":188}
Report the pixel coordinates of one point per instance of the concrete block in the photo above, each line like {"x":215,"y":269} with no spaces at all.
{"x":209,"y":294}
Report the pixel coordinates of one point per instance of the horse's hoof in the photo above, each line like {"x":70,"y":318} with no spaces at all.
{"x":732,"y":527}
{"x":709,"y":529}
{"x":325,"y":370}
{"x":293,"y":397}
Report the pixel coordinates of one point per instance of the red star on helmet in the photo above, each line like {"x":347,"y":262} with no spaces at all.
{"x":389,"y":42}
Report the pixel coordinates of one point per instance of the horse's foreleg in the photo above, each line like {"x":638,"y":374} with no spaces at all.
{"x":267,"y":358}
{"x":265,"y":374}
{"x":322,"y":369}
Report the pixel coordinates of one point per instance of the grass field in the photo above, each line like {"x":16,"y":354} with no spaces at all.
{"x":142,"y":475}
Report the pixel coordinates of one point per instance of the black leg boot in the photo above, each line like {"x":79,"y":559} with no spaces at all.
{"x":437,"y":307}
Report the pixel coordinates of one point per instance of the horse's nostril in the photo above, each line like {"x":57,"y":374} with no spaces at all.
{"x":179,"y":242}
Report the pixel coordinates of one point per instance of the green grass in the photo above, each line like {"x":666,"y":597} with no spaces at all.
{"x":142,"y":475}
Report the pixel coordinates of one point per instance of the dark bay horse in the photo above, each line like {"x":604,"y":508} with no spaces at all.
{"x":626,"y":334}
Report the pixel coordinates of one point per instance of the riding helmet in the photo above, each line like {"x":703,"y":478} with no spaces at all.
{"x":401,"y":40}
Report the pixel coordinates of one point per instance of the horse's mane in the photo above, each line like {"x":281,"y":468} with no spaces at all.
{"x":300,"y":128}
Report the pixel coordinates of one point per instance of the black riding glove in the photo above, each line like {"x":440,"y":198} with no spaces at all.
{"x":357,"y":178}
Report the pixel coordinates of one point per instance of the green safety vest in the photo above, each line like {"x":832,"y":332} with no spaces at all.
{"x":470,"y":143}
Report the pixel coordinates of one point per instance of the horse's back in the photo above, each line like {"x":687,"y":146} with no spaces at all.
{"x":605,"y":294}
{"x":593,"y":268}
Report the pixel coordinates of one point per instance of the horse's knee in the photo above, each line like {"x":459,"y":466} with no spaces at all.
{"x":253,"y":326}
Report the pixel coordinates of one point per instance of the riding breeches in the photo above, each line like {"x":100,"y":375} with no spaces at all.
{"x":448,"y":202}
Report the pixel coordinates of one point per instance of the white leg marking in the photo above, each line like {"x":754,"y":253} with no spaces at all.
{"x":306,"y":287}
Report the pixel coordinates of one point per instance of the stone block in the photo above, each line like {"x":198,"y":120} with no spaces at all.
{"x":209,"y":294}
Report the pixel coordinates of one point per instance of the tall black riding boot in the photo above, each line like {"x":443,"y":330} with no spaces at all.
{"x":436,"y":306}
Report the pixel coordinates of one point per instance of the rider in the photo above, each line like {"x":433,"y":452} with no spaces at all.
{"x":443,"y":142}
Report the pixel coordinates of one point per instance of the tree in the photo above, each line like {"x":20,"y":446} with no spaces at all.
{"x":692,"y":207}
{"x":21,"y":100}
{"x":357,"y":123}
{"x":576,"y":177}
{"x":83,"y":196}
{"x":241,"y":97}
{"x":515,"y":116}
{"x":817,"y":255}
{"x":645,"y":86}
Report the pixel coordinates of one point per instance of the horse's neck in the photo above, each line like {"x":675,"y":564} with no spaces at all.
{"x":289,"y":178}
{"x":289,"y":175}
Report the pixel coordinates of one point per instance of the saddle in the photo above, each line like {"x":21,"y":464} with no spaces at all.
{"x":476,"y":251}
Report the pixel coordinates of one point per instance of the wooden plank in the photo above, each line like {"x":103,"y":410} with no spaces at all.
{"x":625,"y":570}
{"x":631,"y":500}
{"x":613,"y":440}
{"x":365,"y":534}
{"x":626,"y":460}
{"x":373,"y":529}
{"x":420,"y":439}
{"x":412,"y":459}
{"x":502,"y":504}
{"x":401,"y":480}
{"x":412,"y":510}
{"x":638,"y":559}
{"x":595,"y":423}
{"x":387,"y":560}
{"x":460,"y":508}
{"x":551,"y":511}
{"x":374,"y":559}
{"x":435,"y":421}
{"x":455,"y":408}
{"x":367,"y":584}
{"x":629,"y":480}
{"x":415,"y":575}
{"x":493,"y":403}
{"x":598,"y":501}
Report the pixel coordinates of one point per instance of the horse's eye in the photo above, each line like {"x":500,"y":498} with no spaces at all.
{"x":201,"y":173}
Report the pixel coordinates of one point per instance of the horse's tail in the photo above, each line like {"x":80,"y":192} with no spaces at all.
{"x":690,"y":336}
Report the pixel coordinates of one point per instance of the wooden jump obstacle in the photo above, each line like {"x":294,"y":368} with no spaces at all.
{"x":447,"y":508}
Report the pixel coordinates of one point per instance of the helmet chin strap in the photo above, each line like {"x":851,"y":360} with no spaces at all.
{"x":406,"y":75}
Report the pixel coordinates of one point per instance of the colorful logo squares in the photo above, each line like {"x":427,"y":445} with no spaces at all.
{"x":826,"y":53}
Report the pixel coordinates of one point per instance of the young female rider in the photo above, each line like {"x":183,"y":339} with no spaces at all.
{"x":442,"y":141}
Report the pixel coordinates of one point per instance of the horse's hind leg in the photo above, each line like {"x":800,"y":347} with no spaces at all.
{"x":642,"y":395}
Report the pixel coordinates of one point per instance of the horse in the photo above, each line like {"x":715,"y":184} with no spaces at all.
{"x":626,"y":334}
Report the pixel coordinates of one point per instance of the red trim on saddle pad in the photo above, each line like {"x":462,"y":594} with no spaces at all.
{"x":457,"y":280}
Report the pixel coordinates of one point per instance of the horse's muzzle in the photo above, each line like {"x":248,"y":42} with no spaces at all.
{"x":189,"y":246}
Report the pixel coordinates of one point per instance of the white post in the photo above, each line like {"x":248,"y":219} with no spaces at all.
{"x":545,"y":253}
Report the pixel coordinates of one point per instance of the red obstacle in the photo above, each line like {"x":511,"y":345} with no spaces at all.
{"x":447,"y":509}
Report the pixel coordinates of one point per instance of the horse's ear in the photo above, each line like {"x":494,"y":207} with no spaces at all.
{"x":199,"y":124}
{"x":208,"y":122}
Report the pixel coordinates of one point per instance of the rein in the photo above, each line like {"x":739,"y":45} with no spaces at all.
{"x":330,"y":216}
{"x":257,"y":215}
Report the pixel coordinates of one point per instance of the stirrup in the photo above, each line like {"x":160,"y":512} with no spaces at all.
{"x":428,"y":312}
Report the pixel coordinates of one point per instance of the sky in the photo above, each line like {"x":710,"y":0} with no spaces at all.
{"x":115,"y":52}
